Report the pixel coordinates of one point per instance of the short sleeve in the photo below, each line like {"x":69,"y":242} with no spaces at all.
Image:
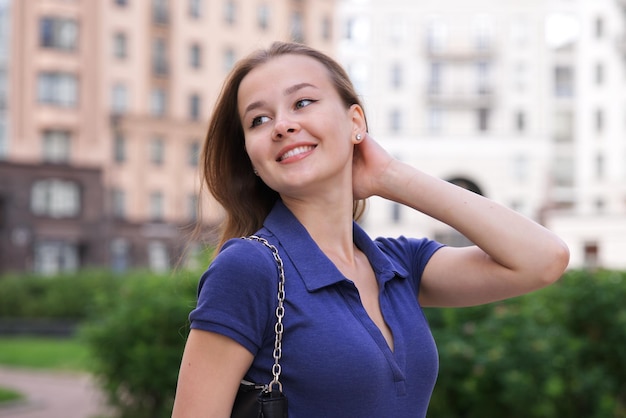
{"x":236,"y":294}
{"x":410,"y":253}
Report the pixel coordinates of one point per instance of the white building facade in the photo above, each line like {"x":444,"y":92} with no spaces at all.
{"x":522,"y":101}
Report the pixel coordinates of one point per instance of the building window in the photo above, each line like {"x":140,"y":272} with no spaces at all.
{"x":563,"y":126}
{"x":157,"y":151}
{"x":121,"y":2}
{"x":434,"y":81}
{"x":483,"y":32}
{"x":192,"y":207}
{"x":591,"y":256}
{"x":195,"y":105}
{"x":482,"y":77}
{"x":483,"y":120}
{"x":119,"y":148}
{"x":327,"y":28}
{"x":263,"y":16}
{"x":120,"y":45}
{"x":398,"y":32}
{"x":118,"y":203}
{"x":160,"y":14}
{"x":54,"y":257}
{"x":229,"y":59}
{"x":396,"y":76}
{"x":396,"y":212}
{"x":599,"y":74}
{"x":520,"y":121}
{"x":4,"y":142}
{"x":599,"y":121}
{"x":195,"y":56}
{"x":56,"y":146}
{"x":395,"y":121}
{"x":158,"y":259}
{"x":195,"y":8}
{"x":57,"y":89}
{"x":599,"y":27}
{"x":436,"y":36}
{"x":155,"y":206}
{"x":120,"y":255}
{"x":55,"y":198}
{"x":563,"y":81}
{"x":435,"y":116}
{"x":599,"y":167}
{"x":230,"y":12}
{"x":119,"y":99}
{"x":158,"y":102}
{"x":297,"y":27}
{"x":159,"y":57}
{"x":194,"y":154}
{"x":58,"y":33}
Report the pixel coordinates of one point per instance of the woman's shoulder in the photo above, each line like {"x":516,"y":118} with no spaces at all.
{"x":403,"y":244}
{"x":238,"y":260}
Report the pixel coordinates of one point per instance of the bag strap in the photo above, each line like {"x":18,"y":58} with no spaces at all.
{"x":280,"y":313}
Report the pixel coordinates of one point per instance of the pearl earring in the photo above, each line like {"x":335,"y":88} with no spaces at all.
{"x":358,"y":137}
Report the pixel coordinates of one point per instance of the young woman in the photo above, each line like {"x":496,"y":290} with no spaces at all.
{"x":288,"y":156}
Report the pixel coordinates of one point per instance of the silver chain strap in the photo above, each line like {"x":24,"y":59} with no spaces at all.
{"x":280,"y":313}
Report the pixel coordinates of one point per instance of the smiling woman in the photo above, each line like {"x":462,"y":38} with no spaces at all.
{"x":288,"y":156}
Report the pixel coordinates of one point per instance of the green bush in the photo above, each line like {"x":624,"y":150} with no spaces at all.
{"x":556,"y":352}
{"x":68,"y":296}
{"x":137,"y":337}
{"x":553,"y":353}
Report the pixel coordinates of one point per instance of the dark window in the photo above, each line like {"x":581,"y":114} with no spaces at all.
{"x":194,"y":107}
{"x":483,"y":120}
{"x":58,"y":33}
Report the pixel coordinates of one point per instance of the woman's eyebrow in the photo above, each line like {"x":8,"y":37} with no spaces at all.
{"x":297,"y":87}
{"x":287,"y":92}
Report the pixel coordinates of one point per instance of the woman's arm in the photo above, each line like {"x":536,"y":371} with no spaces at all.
{"x":512,"y":256}
{"x":211,"y":369}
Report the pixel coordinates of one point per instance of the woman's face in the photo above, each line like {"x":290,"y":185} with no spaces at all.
{"x":299,"y":134}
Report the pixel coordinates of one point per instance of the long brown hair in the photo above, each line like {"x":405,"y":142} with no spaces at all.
{"x":226,"y":168}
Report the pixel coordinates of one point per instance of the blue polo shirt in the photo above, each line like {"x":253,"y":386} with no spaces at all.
{"x":335,"y":361}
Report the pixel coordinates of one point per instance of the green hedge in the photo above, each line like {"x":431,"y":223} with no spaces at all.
{"x":67,"y":296}
{"x":553,"y":353}
{"x":137,"y":338}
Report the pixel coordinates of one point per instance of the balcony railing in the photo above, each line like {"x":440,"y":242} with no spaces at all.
{"x":479,"y":97}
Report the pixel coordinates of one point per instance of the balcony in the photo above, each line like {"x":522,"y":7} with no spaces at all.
{"x":620,"y":41}
{"x":480,"y":97}
{"x":461,"y":52}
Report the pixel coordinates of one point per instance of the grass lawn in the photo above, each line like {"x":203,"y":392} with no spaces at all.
{"x":44,"y":353}
{"x":7,"y":395}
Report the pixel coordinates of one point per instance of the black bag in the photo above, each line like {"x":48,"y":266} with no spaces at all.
{"x":254,"y":400}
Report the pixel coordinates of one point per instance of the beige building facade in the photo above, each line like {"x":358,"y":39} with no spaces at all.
{"x":125,"y":88}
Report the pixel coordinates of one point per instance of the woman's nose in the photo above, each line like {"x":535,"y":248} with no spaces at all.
{"x":284,"y":127}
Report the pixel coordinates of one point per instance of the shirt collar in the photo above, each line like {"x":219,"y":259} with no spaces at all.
{"x":315,"y":268}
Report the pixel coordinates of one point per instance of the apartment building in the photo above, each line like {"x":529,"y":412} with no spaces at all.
{"x":103,"y":109}
{"x":521,"y":101}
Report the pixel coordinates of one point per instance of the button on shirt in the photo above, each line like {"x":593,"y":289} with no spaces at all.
{"x":335,"y":361}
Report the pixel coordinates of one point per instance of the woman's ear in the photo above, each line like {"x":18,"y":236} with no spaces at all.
{"x":359,"y":125}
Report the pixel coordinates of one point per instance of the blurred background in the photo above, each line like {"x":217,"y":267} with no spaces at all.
{"x":104,"y":106}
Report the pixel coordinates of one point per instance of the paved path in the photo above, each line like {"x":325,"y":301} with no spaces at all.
{"x":52,"y":395}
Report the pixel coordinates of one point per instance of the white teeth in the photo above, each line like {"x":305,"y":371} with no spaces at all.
{"x":295,"y":151}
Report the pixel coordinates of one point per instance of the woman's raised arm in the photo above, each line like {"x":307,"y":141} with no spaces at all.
{"x":512,"y":255}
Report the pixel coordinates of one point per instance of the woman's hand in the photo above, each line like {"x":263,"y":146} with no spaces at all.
{"x":369,"y":165}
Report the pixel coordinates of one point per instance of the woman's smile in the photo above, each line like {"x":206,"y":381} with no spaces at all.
{"x":299,"y":151}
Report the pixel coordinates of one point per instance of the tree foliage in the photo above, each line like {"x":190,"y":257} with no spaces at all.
{"x":553,"y":353}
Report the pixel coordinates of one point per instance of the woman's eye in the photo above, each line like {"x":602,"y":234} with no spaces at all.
{"x":258,"y":121}
{"x":303,"y":103}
